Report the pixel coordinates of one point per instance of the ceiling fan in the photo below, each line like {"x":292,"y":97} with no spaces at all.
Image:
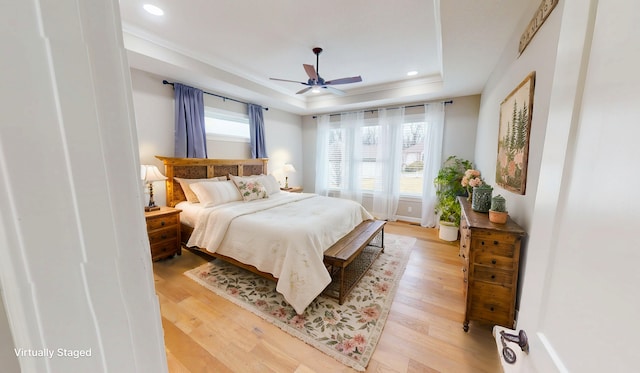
{"x":315,"y":81}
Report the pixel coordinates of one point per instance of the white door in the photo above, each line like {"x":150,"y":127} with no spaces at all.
{"x":580,"y":301}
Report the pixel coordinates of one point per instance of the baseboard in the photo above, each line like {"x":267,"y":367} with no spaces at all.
{"x":409,"y":219}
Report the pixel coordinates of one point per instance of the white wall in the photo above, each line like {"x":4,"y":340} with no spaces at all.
{"x":154,"y":111}
{"x":76,"y":269}
{"x":539,"y":56}
{"x":461,"y":118}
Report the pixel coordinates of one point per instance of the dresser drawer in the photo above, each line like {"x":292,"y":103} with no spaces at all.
{"x":491,"y":302}
{"x":494,"y":261}
{"x":163,"y":248}
{"x":161,"y":222}
{"x":494,"y":247}
{"x":163,"y":234}
{"x":493,"y":275}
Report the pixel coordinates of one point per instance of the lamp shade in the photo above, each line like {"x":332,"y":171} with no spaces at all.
{"x":288,"y":168}
{"x":150,"y":173}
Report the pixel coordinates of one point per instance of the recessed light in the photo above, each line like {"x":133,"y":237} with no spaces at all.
{"x":412,"y":73}
{"x":153,"y":9}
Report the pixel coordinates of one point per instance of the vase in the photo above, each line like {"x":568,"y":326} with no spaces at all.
{"x":481,"y":199}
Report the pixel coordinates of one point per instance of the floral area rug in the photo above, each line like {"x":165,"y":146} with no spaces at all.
{"x":347,"y":332}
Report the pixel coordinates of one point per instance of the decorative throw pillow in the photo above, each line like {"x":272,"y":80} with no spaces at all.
{"x":250,"y":188}
{"x":186,"y":186}
{"x":214,"y":194}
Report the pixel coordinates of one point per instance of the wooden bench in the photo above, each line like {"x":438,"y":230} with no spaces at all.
{"x":350,"y":258}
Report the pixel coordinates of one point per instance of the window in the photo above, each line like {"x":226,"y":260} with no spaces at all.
{"x":411,"y":175}
{"x":226,"y":125}
{"x":368,"y":159}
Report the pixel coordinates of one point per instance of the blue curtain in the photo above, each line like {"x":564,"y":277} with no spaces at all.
{"x":190,"y":136}
{"x":256,"y":125}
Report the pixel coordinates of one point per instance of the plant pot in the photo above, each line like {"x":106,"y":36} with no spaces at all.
{"x":498,"y":217}
{"x":448,"y":231}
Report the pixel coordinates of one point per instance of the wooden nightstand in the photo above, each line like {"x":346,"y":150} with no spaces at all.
{"x":297,"y":189}
{"x":163,"y":228}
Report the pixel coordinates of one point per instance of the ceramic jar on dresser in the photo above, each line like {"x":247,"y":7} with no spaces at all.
{"x":490,"y":255}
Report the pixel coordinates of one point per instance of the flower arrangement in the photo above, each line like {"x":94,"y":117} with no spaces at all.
{"x":471,"y":179}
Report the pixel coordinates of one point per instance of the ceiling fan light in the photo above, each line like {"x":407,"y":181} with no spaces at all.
{"x":152,"y":9}
{"x":316,"y":90}
{"x":412,"y":73}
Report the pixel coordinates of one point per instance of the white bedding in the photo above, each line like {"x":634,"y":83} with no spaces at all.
{"x":190,"y":212}
{"x":285,"y":235}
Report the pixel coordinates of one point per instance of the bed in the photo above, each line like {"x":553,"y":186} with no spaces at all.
{"x":282,"y":236}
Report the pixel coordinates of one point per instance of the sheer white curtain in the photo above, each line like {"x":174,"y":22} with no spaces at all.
{"x":434,"y":132}
{"x":351,"y":125}
{"x":388,"y":162}
{"x":339,"y":155}
{"x":322,"y":158}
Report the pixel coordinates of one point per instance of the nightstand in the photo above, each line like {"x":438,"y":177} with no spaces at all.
{"x":297,"y":189}
{"x":163,"y":228}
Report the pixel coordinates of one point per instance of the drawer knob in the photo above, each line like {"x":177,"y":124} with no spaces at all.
{"x":165,"y":236}
{"x":482,"y":243}
{"x":463,"y":256}
{"x":491,"y":308}
{"x":493,"y":277}
{"x":495,"y":242}
{"x":493,"y":261}
{"x":162,"y":223}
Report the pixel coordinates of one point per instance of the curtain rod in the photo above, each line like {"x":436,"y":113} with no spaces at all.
{"x":213,"y":94}
{"x":373,"y":110}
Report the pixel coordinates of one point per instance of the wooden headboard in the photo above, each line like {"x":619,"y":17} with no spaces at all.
{"x":201,"y":168}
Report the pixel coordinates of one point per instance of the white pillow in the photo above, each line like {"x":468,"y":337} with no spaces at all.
{"x":270,"y":182}
{"x":214,"y":194}
{"x":186,"y":186}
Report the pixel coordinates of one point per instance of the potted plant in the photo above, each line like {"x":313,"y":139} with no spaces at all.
{"x":498,"y":213}
{"x":448,"y":187}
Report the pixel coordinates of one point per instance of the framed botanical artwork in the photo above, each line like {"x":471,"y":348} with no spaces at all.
{"x":513,"y":136}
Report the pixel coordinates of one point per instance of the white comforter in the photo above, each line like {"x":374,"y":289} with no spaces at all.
{"x":285,"y":235}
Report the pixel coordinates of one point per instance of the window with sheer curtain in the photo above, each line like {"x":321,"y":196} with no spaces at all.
{"x":411,"y":161}
{"x":383,"y":156}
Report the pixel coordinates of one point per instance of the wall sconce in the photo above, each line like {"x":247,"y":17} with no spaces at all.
{"x":149,"y":174}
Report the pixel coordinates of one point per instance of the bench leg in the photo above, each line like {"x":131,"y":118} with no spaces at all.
{"x":342,"y":289}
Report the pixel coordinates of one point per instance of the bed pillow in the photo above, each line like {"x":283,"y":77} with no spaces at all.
{"x":186,"y":186}
{"x":214,"y":194}
{"x":250,"y":188}
{"x":270,"y":182}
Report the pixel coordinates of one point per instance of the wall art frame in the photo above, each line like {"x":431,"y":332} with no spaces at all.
{"x":545,"y":8}
{"x":513,"y":136}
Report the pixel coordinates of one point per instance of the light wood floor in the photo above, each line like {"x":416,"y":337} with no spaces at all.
{"x":205,"y":333}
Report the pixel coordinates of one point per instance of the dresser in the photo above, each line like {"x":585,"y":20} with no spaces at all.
{"x":490,"y":256}
{"x":163,"y":228}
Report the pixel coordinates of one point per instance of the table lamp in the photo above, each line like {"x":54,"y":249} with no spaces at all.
{"x":287,"y":169}
{"x":150,"y":174}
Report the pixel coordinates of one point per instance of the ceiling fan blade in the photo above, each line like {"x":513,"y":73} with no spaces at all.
{"x":353,"y":79}
{"x":291,"y":81}
{"x":335,"y":91}
{"x":311,"y":71}
{"x":303,"y":90}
